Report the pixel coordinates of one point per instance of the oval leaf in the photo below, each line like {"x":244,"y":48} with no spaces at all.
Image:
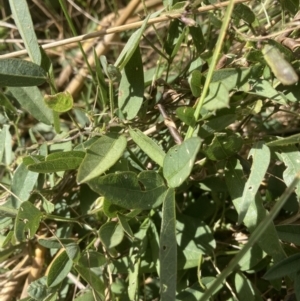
{"x":59,"y":268}
{"x":111,"y":234}
{"x":179,"y":161}
{"x":60,"y":102}
{"x":100,"y":156}
{"x":60,"y":161}
{"x":27,"y":220}
{"x":223,"y":146}
{"x":283,"y":268}
{"x":131,"y":89}
{"x":31,"y":99}
{"x":261,"y":158}
{"x":128,"y":190}
{"x":21,"y":73}
{"x":148,"y":146}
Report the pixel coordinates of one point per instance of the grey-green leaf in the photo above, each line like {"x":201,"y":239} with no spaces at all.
{"x":179,"y":161}
{"x":284,"y":141}
{"x":235,"y":180}
{"x":261,"y":158}
{"x":60,"y":161}
{"x":289,"y":233}
{"x":131,"y":191}
{"x":223,"y":146}
{"x":168,"y":248}
{"x":21,"y":73}
{"x":148,"y":146}
{"x":111,"y":234}
{"x":131,"y":46}
{"x":283,"y":268}
{"x":31,"y":99}
{"x":100,"y":156}
{"x":131,"y":88}
{"x":22,"y":18}
{"x":27,"y":220}
{"x":290,"y":157}
{"x":23,"y":175}
{"x":59,"y":269}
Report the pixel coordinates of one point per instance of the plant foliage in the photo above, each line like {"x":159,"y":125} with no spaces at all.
{"x":172,"y":175}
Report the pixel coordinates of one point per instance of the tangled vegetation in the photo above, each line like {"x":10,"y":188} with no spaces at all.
{"x":149,"y":150}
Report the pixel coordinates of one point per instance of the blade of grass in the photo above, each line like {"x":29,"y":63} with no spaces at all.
{"x":253,"y":239}
{"x":212,"y":66}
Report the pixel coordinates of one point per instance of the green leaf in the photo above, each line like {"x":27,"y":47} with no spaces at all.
{"x":100,"y":156}
{"x":38,"y":289}
{"x":131,"y":46}
{"x":6,"y":155}
{"x":128,"y":190}
{"x":235,"y":181}
{"x":111,"y":234}
{"x":73,"y":251}
{"x":31,"y":99}
{"x":186,"y":114}
{"x":27,"y":220}
{"x":59,"y":161}
{"x":284,"y":141}
{"x":191,"y":293}
{"x":232,"y":78}
{"x":22,"y":18}
{"x":290,"y":158}
{"x":21,"y":73}
{"x":195,"y":82}
{"x":148,"y":146}
{"x":125,"y":225}
{"x":286,"y":267}
{"x":244,"y":12}
{"x":60,"y":102}
{"x":198,"y":38}
{"x":179,"y":161}
{"x":59,"y":268}
{"x":253,"y":257}
{"x":223,"y":146}
{"x":244,"y":288}
{"x":217,"y":98}
{"x":54,"y":243}
{"x":102,"y":86}
{"x":92,"y":279}
{"x":289,"y":233}
{"x":263,"y":88}
{"x":194,"y":238}
{"x":137,"y":250}
{"x":261,"y":159}
{"x":292,"y":6}
{"x":216,"y":124}
{"x":131,"y":88}
{"x":168,"y":248}
{"x":92,"y":259}
{"x":109,"y":209}
{"x":23,"y":175}
{"x":86,"y":296}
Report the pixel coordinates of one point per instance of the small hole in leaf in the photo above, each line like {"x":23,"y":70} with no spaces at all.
{"x":164,"y":248}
